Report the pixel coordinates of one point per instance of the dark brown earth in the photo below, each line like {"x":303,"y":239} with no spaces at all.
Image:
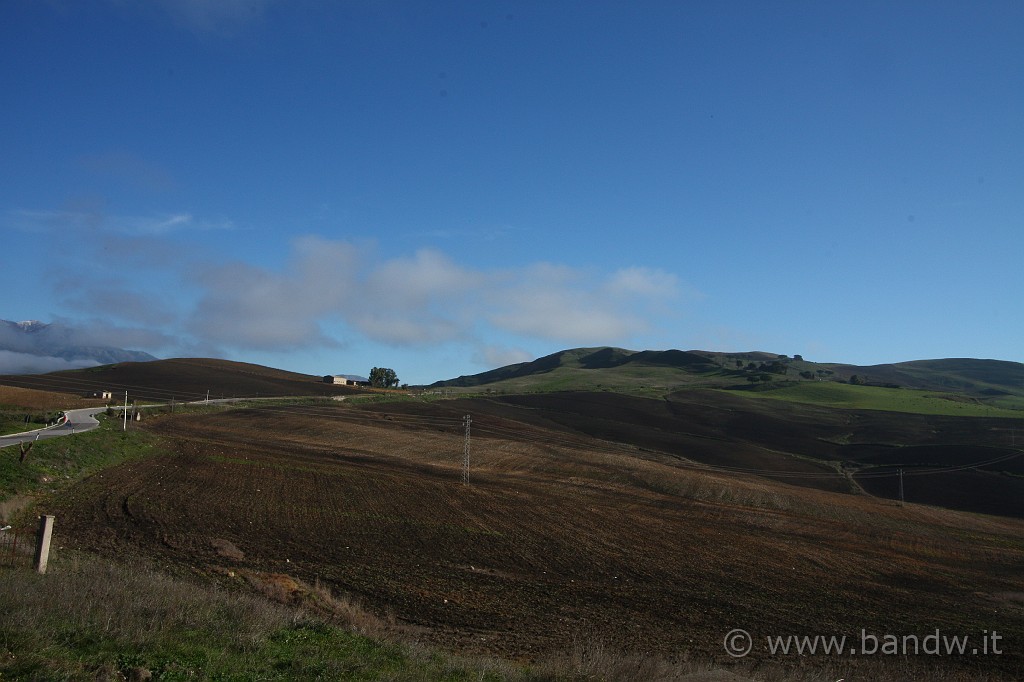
{"x":823,"y":448}
{"x":585,"y":516}
{"x":182,"y":379}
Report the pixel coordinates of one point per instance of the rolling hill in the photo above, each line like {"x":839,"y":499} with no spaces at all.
{"x":995,"y":382}
{"x":986,"y":378}
{"x":182,"y":379}
{"x":588,"y":368}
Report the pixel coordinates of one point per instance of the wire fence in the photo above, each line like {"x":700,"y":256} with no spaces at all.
{"x":17,"y":546}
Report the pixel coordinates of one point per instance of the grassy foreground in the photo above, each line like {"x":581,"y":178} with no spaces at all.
{"x":91,"y":618}
{"x":96,"y":619}
{"x":51,"y":465}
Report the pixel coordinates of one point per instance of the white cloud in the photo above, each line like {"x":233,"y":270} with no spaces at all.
{"x":94,"y":219}
{"x":247,"y":307}
{"x":412,"y":283}
{"x":415,"y":330}
{"x":644,"y":282}
{"x":419,"y":300}
{"x":565,"y":315}
{"x":558,"y":303}
{"x":101,"y":332}
{"x":331,"y":293}
{"x":24,"y":363}
{"x":113,"y":298}
{"x":500,"y":356}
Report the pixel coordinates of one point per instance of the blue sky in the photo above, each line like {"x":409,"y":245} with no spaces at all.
{"x":444,"y":188}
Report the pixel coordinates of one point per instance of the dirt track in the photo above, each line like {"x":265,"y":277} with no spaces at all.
{"x":557,"y":536}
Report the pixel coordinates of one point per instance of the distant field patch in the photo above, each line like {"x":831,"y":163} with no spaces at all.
{"x":30,"y":399}
{"x":24,"y":409}
{"x":833,"y":394}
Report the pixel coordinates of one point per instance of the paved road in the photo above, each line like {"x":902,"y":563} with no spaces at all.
{"x":77,"y":421}
{"x":84,"y":419}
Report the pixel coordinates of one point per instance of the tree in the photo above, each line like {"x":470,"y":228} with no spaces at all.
{"x":775,"y":367}
{"x":383,"y":377}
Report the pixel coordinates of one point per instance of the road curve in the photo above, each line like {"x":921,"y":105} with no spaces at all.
{"x":77,"y":421}
{"x":84,"y":419}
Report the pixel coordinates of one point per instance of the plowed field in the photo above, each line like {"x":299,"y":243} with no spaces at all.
{"x":558,"y":535}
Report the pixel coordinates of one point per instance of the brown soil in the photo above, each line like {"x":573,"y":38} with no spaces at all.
{"x":31,"y":399}
{"x":182,"y":379}
{"x":558,"y":535}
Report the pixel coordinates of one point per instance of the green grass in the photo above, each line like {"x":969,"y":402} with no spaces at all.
{"x":1009,"y":402}
{"x":12,"y":419}
{"x":91,"y":618}
{"x":629,"y":379}
{"x":833,"y":394}
{"x":51,"y":465}
{"x":374,"y":398}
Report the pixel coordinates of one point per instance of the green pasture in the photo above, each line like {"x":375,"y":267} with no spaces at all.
{"x":850,"y":396}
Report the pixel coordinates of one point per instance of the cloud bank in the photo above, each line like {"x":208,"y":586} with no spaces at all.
{"x":25,"y":363}
{"x":141,"y":282}
{"x":422,"y":299}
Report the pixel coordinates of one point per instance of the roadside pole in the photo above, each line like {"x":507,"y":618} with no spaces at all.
{"x":467,"y":420}
{"x":42,"y":556}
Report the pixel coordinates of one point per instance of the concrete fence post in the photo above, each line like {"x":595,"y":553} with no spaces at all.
{"x":43,"y":543}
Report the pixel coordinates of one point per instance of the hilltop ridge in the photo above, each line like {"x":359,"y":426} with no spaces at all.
{"x":614,"y":368}
{"x":182,"y":379}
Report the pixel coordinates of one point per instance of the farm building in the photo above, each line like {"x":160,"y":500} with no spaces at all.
{"x":346,"y":380}
{"x":105,"y":395}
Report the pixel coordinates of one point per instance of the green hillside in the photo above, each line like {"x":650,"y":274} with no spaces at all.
{"x":588,"y":369}
{"x":984,"y":378}
{"x":958,"y":386}
{"x":835,"y":394}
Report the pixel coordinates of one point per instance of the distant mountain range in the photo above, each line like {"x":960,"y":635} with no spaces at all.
{"x":34,"y":347}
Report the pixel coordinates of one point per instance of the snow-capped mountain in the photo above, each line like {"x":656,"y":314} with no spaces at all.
{"x":32,"y":347}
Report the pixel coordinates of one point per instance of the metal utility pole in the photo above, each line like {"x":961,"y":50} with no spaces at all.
{"x":467,"y":420}
{"x":901,"y":486}
{"x":125,"y":411}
